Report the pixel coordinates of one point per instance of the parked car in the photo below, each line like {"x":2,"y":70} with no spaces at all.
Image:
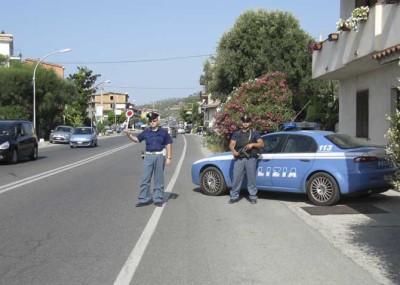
{"x":61,"y":134}
{"x":83,"y":136}
{"x":17,"y":141}
{"x":181,"y":131}
{"x":188,"y":129}
{"x":108,"y":130}
{"x":172,"y":132}
{"x":323,"y":165}
{"x":297,"y":126}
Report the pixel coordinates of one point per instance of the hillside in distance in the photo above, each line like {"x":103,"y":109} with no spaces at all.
{"x":171,"y":107}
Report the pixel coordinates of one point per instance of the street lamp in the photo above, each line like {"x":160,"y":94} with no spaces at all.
{"x":34,"y":80}
{"x":101,"y":99}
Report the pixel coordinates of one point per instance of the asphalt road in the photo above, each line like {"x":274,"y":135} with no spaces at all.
{"x":69,"y":218}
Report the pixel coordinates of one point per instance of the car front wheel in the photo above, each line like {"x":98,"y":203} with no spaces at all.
{"x":14,"y":156}
{"x":322,"y":189}
{"x":212,"y":182}
{"x":34,"y":154}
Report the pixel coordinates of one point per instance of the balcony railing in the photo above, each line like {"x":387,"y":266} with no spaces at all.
{"x":352,"y":52}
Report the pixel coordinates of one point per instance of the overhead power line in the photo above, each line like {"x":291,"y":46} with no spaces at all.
{"x":155,"y":88}
{"x":140,"y":60}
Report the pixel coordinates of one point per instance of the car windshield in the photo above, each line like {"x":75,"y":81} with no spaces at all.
{"x":6,"y":129}
{"x":83,"y":131}
{"x":63,"y":129}
{"x":346,"y":141}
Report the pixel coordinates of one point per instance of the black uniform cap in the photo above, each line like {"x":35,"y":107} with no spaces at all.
{"x":152,"y":116}
{"x":245,"y":119}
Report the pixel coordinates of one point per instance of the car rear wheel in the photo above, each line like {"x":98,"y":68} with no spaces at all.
{"x":322,"y":189}
{"x":212,"y":182}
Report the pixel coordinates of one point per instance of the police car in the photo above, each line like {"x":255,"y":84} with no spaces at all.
{"x":324,"y":165}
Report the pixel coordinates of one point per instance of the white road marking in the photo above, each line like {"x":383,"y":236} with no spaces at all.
{"x":27,"y":180}
{"x":128,"y":270}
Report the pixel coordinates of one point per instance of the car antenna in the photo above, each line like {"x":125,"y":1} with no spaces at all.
{"x":302,"y":109}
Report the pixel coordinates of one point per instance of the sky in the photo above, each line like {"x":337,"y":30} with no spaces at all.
{"x":143,"y":32}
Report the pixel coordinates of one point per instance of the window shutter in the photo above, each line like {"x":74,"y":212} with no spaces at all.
{"x":362,"y":114}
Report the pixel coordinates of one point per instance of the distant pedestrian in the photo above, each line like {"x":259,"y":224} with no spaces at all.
{"x":158,"y":152}
{"x":244,"y":145}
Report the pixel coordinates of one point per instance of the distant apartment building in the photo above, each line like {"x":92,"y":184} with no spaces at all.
{"x":366,"y":64}
{"x":58,"y":69}
{"x":7,"y":48}
{"x":109,"y":101}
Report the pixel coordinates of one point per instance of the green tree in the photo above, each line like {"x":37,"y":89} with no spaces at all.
{"x":73,"y":116}
{"x":324,"y":107}
{"x":121,"y":118}
{"x":13,"y":112}
{"x":52,"y":93}
{"x":185,"y":115}
{"x":3,"y":60}
{"x":260,"y":42}
{"x":111,"y":117}
{"x":393,"y":139}
{"x":84,"y":80}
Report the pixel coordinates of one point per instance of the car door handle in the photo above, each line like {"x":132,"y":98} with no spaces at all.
{"x":305,"y":160}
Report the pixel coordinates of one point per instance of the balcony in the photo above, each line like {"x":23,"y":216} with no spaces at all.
{"x":352,"y":53}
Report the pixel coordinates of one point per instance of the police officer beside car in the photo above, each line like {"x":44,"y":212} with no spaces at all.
{"x":244,"y":145}
{"x":158,"y":153}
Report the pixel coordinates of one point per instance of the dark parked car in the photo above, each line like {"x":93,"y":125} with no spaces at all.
{"x":17,"y":141}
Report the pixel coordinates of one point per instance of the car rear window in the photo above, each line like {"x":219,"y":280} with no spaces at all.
{"x":346,"y":141}
{"x":63,"y":129}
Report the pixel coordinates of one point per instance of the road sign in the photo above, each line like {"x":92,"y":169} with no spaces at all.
{"x":129,"y":113}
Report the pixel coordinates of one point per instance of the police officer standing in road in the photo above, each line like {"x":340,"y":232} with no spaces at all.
{"x":244,"y":145}
{"x":158,"y":144}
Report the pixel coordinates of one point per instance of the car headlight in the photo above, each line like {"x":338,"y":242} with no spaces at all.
{"x":5,"y":145}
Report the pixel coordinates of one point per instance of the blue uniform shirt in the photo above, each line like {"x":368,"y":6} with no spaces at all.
{"x":255,"y":135}
{"x":155,"y":140}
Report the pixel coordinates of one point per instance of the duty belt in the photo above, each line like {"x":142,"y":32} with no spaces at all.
{"x":154,"y":152}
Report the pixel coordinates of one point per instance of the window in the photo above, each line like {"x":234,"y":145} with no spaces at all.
{"x":346,"y":141}
{"x":362,"y":115}
{"x":299,"y":143}
{"x":369,"y":3}
{"x":111,"y":97}
{"x":395,"y":104}
{"x":28,"y":129}
{"x":272,"y":143}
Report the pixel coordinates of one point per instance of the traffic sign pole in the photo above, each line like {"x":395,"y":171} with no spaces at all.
{"x":128,"y":114}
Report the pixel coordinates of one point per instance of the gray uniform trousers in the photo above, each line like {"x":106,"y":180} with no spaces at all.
{"x":241,"y":167}
{"x":153,"y":164}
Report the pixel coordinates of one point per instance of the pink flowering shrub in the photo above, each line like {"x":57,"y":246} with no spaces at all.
{"x":267,"y":100}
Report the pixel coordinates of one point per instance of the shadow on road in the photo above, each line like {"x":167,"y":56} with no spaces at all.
{"x":381,"y":235}
{"x":168,"y":196}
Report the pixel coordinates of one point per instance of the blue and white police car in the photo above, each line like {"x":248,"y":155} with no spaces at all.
{"x":324,"y":165}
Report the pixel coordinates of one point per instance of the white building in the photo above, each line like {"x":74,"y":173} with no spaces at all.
{"x":209,"y":108}
{"x":367,"y":64}
{"x":7,"y":46}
